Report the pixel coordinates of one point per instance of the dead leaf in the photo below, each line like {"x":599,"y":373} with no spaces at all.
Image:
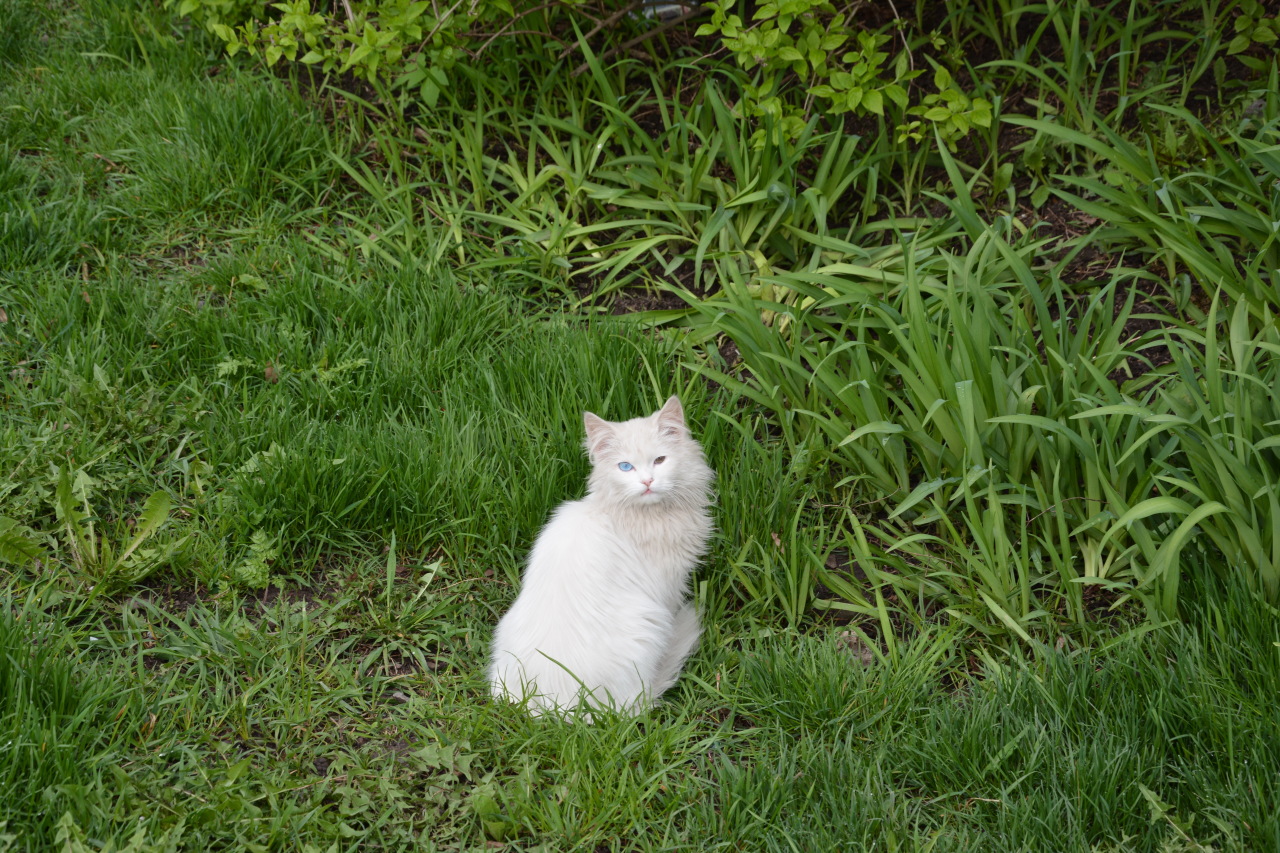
{"x":270,"y":373}
{"x":84,"y":294}
{"x":850,"y":642}
{"x":4,"y":318}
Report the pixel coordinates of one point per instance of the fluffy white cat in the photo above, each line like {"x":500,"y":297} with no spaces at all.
{"x":602,"y":613}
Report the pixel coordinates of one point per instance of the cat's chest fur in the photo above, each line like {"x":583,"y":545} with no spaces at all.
{"x":660,"y":548}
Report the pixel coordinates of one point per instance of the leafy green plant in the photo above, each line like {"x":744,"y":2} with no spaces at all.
{"x":950,"y":111}
{"x":803,"y":39}
{"x":254,"y":571}
{"x":1252,"y":27}
{"x":412,"y":42}
{"x":91,"y":551}
{"x":1228,"y":464}
{"x":1002,"y":485}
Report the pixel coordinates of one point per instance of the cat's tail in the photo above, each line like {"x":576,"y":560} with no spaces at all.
{"x":685,"y":631}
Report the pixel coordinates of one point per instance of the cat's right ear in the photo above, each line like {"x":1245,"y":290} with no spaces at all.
{"x":599,"y":435}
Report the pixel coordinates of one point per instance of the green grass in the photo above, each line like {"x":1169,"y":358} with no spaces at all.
{"x":343,"y":371}
{"x":987,"y":345}
{"x":53,"y":716}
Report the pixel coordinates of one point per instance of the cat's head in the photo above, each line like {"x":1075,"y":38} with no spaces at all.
{"x":651,"y":461}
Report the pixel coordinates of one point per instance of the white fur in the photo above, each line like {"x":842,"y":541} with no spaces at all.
{"x":602,"y":613}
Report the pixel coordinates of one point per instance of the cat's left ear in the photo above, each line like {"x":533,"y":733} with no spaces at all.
{"x":671,"y":418}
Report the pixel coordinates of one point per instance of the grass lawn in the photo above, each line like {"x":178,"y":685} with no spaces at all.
{"x":270,"y":472}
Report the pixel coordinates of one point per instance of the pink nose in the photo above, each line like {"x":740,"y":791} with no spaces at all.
{"x":647,"y":482}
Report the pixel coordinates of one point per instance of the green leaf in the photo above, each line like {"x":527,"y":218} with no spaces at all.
{"x":876,"y":427}
{"x":430,"y":93}
{"x":873,"y":102}
{"x":1165,"y":566}
{"x":154,"y":513}
{"x":76,"y":522}
{"x":17,"y":546}
{"x":1116,"y":409}
{"x":921,"y":492}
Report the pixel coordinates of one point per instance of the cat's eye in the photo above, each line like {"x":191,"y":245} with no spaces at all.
{"x":625,"y":466}
{"x":659,"y":460}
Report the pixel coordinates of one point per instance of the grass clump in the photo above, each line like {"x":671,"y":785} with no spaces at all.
{"x":22,"y":25}
{"x":62,"y":725}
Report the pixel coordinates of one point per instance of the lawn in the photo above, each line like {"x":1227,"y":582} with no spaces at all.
{"x":292,"y":371}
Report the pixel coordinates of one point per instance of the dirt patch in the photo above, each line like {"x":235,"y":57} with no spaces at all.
{"x":637,"y":300}
{"x":323,"y":591}
{"x":170,"y":597}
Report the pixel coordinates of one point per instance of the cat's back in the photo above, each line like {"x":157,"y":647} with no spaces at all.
{"x":578,"y":535}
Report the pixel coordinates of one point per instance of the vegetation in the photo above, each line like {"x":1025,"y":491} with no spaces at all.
{"x":974,"y":308}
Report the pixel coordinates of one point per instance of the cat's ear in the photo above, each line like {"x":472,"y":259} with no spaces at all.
{"x":599,"y":434}
{"x":671,"y":418}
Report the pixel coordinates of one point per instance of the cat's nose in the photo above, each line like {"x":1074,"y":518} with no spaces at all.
{"x":648,"y":481}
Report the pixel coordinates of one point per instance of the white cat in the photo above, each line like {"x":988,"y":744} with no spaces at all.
{"x":602,"y":613}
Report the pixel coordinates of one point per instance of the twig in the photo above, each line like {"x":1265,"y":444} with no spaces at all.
{"x":640,"y":39}
{"x":1054,"y":508}
{"x":346,"y":7}
{"x":441,"y":20}
{"x":505,"y":27}
{"x":474,"y":53}
{"x":112,"y":163}
{"x":911,"y":60}
{"x":600,"y":25}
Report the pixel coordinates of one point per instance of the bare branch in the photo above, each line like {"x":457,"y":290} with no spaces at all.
{"x":643,"y":37}
{"x":600,"y":25}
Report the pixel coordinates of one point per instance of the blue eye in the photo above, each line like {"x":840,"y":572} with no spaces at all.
{"x":625,"y":466}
